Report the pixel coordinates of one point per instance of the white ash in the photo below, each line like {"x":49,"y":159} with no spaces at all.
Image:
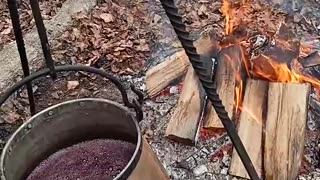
{"x":157,"y":113}
{"x":138,"y":82}
{"x":174,"y":90}
{"x":200,"y":170}
{"x":203,"y":154}
{"x":311,"y":176}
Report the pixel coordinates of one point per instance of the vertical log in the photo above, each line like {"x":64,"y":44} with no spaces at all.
{"x":229,"y":64}
{"x":250,"y":128}
{"x":285,"y":130}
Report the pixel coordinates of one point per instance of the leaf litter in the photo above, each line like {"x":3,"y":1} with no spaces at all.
{"x":111,"y":36}
{"x":48,"y":8}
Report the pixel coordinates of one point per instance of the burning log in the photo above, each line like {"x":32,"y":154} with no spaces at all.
{"x":160,"y":76}
{"x":228,"y":69}
{"x":184,"y":123}
{"x":285,"y":130}
{"x":277,"y":56}
{"x":312,"y":60}
{"x":250,"y":128}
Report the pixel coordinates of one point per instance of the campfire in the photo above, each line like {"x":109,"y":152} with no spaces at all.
{"x":262,"y":83}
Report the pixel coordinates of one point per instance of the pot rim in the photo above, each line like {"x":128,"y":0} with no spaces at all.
{"x":126,"y":171}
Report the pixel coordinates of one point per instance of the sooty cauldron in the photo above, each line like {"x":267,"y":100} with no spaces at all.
{"x":73,"y":122}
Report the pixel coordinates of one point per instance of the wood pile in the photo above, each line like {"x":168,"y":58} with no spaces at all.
{"x":273,"y":114}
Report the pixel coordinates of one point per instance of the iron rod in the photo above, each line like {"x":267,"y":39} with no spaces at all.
{"x":205,"y":76}
{"x":14,"y":14}
{"x":134,"y":104}
{"x":43,"y":37}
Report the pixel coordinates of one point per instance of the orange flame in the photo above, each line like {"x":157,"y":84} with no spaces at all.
{"x":268,"y":69}
{"x":277,"y":72}
{"x":238,"y":93}
{"x":227,"y":12}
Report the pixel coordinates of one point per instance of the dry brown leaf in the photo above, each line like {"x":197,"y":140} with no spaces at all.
{"x":202,"y":10}
{"x":71,"y":85}
{"x":143,"y":47}
{"x":119,"y":49}
{"x":106,"y":17}
{"x":76,"y":32}
{"x":12,"y":117}
{"x":156,"y":19}
{"x":6,"y":31}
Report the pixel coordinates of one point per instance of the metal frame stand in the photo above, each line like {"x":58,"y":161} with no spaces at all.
{"x":51,"y":69}
{"x":204,"y":72}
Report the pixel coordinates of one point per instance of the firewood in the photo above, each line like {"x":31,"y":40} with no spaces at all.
{"x":229,"y":64}
{"x":285,"y":130}
{"x":184,"y":123}
{"x":311,"y":60}
{"x":284,"y":50}
{"x":176,"y":65}
{"x":149,"y":166}
{"x":250,"y":127}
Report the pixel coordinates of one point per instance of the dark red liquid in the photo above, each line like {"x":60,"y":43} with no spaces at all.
{"x":91,"y":160}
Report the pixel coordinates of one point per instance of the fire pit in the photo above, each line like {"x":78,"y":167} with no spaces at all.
{"x":78,"y":139}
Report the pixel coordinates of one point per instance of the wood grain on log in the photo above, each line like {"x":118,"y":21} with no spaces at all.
{"x":176,"y":65}
{"x":229,"y":64}
{"x":250,"y":127}
{"x":285,"y":130}
{"x":183,"y":125}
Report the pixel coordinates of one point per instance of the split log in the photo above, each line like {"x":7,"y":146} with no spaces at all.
{"x":229,"y":64}
{"x":285,"y":130}
{"x":250,"y":127}
{"x":160,"y":76}
{"x":149,"y":166}
{"x":184,"y":123}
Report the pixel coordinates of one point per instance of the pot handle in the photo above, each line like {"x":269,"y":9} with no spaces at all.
{"x":135,"y":103}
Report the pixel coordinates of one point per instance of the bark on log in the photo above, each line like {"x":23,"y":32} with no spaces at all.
{"x":250,"y":128}
{"x":229,"y":64}
{"x":160,"y":76}
{"x":285,"y":130}
{"x":184,"y":123}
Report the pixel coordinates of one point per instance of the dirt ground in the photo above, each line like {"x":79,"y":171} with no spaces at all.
{"x":127,"y":38}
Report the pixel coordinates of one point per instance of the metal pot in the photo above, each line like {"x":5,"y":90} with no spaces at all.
{"x":72,"y":122}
